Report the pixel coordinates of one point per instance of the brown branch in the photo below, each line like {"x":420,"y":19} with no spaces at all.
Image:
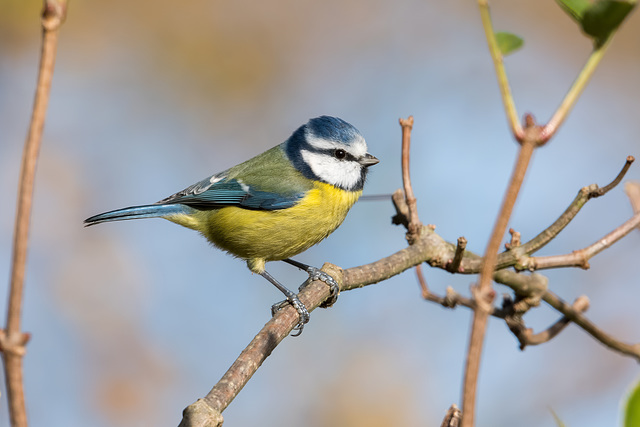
{"x":584,"y":195}
{"x":430,"y":248}
{"x":581,"y":304}
{"x":580,"y":258}
{"x":604,"y":190}
{"x":515,"y":239}
{"x":440,"y":250}
{"x":536,"y":285}
{"x":208,"y":410}
{"x":422,"y":282}
{"x":526,"y":336}
{"x":452,"y":299}
{"x":402,"y":210}
{"x":517,"y":256}
{"x":632,"y":189}
{"x":523,"y":284}
{"x":414,"y":225}
{"x":512,"y":313}
{"x":12,"y":339}
{"x":454,"y":265}
{"x":579,"y":319}
{"x":548,"y":234}
{"x":484,"y":291}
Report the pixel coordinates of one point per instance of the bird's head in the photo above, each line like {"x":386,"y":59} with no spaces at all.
{"x":330,"y":150}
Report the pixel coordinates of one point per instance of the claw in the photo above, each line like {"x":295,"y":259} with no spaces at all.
{"x":317,"y":274}
{"x":303,"y":313}
{"x":292,"y":299}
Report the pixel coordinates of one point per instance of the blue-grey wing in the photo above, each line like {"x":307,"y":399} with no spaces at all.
{"x":219,"y":191}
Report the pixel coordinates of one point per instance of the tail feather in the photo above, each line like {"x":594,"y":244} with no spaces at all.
{"x":136,"y":212}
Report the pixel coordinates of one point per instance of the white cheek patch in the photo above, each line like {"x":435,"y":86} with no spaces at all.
{"x":343,"y":174}
{"x":357,"y":147}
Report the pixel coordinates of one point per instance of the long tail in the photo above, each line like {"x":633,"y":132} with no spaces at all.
{"x":136,"y":212}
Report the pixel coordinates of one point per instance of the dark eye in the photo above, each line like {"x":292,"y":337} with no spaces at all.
{"x":340,"y":153}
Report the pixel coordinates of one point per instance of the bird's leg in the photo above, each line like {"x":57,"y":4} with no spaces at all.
{"x":317,"y":274}
{"x":291,"y":299}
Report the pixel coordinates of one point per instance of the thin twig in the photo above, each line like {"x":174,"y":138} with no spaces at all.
{"x":522,"y":284}
{"x":503,"y":82}
{"x":453,"y":299}
{"x":526,"y":336}
{"x":579,"y":319}
{"x":13,"y":340}
{"x":632,"y":189}
{"x":422,"y":282}
{"x":414,"y":226}
{"x":604,"y":190}
{"x":517,"y":256}
{"x":515,"y":239}
{"x":584,"y":195}
{"x":574,"y":92}
{"x":454,"y":266}
{"x":580,"y":258}
{"x":402,"y":210}
{"x":484,"y":291}
{"x":580,"y":305}
{"x":414,"y":222}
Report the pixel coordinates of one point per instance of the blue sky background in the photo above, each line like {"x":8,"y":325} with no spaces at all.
{"x":133,"y":321}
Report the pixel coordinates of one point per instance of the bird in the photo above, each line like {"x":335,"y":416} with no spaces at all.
{"x":275,"y":205}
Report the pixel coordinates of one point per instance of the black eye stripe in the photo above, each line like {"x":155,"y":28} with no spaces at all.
{"x":332,"y":152}
{"x":349,"y":156}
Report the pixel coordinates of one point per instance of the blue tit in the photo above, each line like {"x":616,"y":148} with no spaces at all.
{"x":275,"y":205}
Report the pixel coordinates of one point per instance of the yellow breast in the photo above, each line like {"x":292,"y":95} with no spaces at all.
{"x":274,"y":235}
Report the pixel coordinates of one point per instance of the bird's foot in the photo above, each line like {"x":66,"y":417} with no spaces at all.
{"x":303,"y":313}
{"x":317,"y":274}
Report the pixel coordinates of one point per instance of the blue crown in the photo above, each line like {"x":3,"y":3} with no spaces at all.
{"x":333,"y":129}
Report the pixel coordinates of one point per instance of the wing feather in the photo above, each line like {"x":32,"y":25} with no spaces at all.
{"x":219,"y":191}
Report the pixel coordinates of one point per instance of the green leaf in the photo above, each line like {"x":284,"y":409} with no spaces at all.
{"x":599,"y":19}
{"x":632,"y":410}
{"x":574,"y":8}
{"x":604,"y":17}
{"x":508,"y":43}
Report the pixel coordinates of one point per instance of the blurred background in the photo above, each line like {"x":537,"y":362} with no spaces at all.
{"x":133,"y":321}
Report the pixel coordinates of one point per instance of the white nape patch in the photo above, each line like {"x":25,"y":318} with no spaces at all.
{"x":341,"y":173}
{"x":357,"y":147}
{"x":244,"y":186}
